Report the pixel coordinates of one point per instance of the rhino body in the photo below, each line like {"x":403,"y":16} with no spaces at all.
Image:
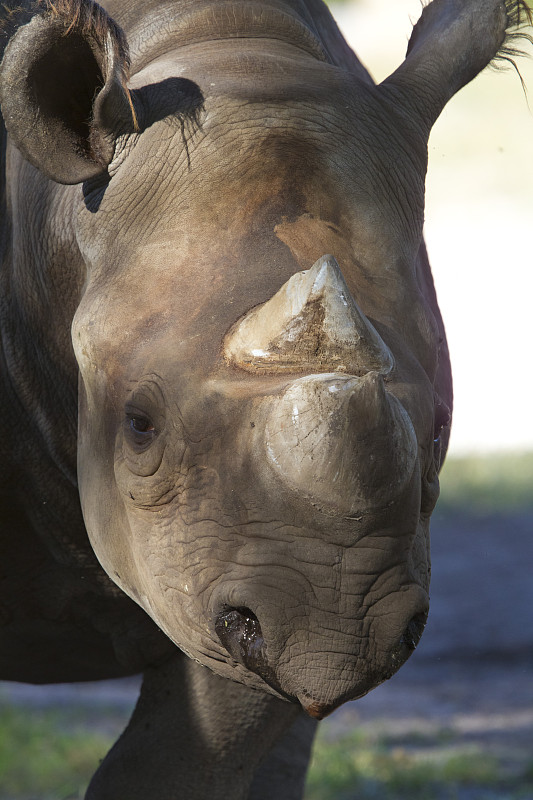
{"x":225,"y":386}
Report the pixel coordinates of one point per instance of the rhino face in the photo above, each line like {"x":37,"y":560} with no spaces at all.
{"x":264,"y":384}
{"x":272,"y":526}
{"x":254,"y":451}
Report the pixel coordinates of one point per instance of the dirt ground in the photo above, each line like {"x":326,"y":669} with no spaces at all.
{"x":472,"y":675}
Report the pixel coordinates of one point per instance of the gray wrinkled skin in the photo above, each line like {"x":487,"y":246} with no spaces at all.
{"x":272,"y":522}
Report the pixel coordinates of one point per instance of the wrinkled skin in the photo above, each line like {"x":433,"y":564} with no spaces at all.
{"x":303,"y":576}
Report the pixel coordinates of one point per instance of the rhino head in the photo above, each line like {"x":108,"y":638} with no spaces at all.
{"x":271,"y":510}
{"x":261,"y":424}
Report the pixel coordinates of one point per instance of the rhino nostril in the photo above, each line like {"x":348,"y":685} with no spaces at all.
{"x":413,"y":632}
{"x":406,"y":644}
{"x":240,"y":632}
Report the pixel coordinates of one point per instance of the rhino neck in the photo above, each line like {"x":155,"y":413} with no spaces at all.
{"x":155,"y":27}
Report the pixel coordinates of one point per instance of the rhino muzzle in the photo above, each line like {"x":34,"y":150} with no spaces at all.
{"x":240,"y":632}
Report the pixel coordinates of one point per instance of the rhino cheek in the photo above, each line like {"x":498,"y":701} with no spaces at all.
{"x":104,"y":510}
{"x":104,"y":516}
{"x":148,"y":553}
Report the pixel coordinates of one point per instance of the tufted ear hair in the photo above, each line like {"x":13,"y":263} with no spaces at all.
{"x":450,"y":44}
{"x":63,"y":90}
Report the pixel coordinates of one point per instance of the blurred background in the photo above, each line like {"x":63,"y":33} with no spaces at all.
{"x":479,"y":218}
{"x":456,"y":723}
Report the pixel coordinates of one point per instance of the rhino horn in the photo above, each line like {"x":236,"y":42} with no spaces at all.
{"x":345,"y":441}
{"x":312,"y":324}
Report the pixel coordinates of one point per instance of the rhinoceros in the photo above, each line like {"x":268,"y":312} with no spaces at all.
{"x":225,"y":386}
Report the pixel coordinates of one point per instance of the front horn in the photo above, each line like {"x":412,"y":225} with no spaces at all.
{"x":312,"y":324}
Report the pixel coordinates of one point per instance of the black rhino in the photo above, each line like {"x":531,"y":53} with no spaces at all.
{"x":225,"y":386}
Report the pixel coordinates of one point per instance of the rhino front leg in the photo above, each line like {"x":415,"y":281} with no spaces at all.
{"x":192,"y":735}
{"x":281,"y":774}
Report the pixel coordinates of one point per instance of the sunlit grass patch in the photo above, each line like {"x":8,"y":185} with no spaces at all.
{"x":46,"y":755}
{"x":355,"y":768}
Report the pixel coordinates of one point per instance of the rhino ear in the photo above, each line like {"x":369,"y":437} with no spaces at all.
{"x":63,"y":90}
{"x":450,"y":44}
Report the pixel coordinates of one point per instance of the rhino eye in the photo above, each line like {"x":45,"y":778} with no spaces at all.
{"x":141,"y":425}
{"x":141,"y":430}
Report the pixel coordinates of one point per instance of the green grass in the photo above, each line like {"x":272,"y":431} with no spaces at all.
{"x":356,"y":767}
{"x":477,"y":485}
{"x":47,"y":755}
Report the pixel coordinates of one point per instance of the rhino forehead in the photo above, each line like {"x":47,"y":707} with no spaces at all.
{"x":216,"y":228}
{"x":236,"y":138}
